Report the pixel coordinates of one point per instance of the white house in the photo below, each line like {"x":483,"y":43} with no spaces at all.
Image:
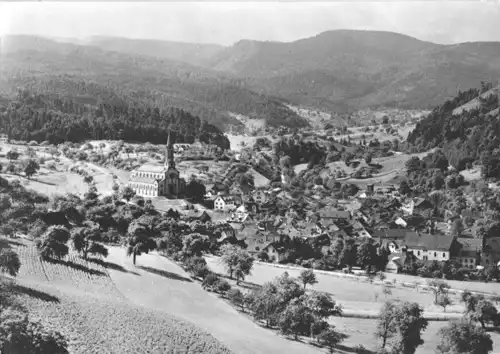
{"x":4,"y":139}
{"x":223,"y":202}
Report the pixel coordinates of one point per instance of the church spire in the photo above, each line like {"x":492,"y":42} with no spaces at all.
{"x":169,"y":153}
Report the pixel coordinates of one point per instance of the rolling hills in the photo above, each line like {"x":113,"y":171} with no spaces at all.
{"x":334,"y":71}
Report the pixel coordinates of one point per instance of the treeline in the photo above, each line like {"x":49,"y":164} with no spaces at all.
{"x":45,"y":117}
{"x":466,"y":137}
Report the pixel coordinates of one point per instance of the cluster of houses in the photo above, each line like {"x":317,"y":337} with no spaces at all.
{"x":405,"y":227}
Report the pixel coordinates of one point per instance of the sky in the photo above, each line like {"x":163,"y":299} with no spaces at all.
{"x":225,"y":23}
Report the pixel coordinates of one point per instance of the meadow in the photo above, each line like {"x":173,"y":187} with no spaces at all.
{"x":80,"y":299}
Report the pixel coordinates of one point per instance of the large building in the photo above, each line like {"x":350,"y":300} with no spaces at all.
{"x":153,"y":180}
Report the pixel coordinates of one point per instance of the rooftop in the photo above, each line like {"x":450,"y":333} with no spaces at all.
{"x":151,"y":168}
{"x":434,"y":242}
{"x":141,"y":179}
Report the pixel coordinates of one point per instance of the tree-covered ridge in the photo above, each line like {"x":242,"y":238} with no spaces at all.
{"x":40,"y":117}
{"x":466,"y":136}
{"x":63,"y":68}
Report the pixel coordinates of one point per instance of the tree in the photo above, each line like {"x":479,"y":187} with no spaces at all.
{"x":402,"y":322}
{"x":464,"y":337}
{"x":128,"y":193}
{"x":322,"y":305}
{"x":484,"y":311}
{"x":195,"y":190}
{"x":444,"y":301}
{"x":368,"y":158}
{"x":331,"y":338}
{"x":12,"y":155}
{"x":349,"y":253}
{"x":404,"y":188}
{"x":194,"y":245}
{"x":457,"y":228}
{"x":237,"y":261}
{"x":9,"y":262}
{"x":237,"y":298}
{"x":31,"y":168}
{"x":86,"y":240}
{"x":88,"y":179}
{"x":140,"y":238}
{"x":367,"y":254}
{"x":19,"y":335}
{"x":52,"y":244}
{"x":307,"y":276}
{"x":296,"y":319}
{"x":438,"y":287}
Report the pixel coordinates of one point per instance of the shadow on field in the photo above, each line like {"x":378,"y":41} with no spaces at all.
{"x":165,"y":274}
{"x":109,"y":265}
{"x":76,"y":266}
{"x":40,"y":295}
{"x":16,"y":243}
{"x":243,"y":284}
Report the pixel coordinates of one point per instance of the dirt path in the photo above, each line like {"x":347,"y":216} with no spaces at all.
{"x":164,"y":286}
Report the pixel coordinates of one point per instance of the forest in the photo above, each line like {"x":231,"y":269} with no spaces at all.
{"x":470,"y":136}
{"x":46,"y":117}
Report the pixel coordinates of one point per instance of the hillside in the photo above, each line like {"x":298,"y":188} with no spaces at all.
{"x":61,"y":68}
{"x":466,"y":127}
{"x":192,"y":53}
{"x":360,"y":68}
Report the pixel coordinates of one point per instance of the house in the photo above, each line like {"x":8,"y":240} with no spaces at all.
{"x":335,"y":214}
{"x":359,"y":230}
{"x":469,"y":254}
{"x":4,"y":139}
{"x":260,"y":196}
{"x":430,"y":247}
{"x":395,"y":262}
{"x":275,"y":252}
{"x":201,"y":216}
{"x":218,"y":188}
{"x":391,"y":234}
{"x":491,"y":251}
{"x":422,"y":205}
{"x":226,"y":202}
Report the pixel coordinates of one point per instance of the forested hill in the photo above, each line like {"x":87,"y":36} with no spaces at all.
{"x":466,"y":132}
{"x":36,"y":116}
{"x":89,"y":75}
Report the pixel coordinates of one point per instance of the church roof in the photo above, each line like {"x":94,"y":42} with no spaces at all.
{"x":151,"y":168}
{"x":141,"y":179}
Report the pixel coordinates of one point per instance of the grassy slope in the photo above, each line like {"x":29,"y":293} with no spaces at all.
{"x":87,"y":308}
{"x":175,"y":294}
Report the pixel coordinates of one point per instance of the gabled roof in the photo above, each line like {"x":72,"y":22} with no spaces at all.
{"x":391,"y":233}
{"x":431,"y":242}
{"x":151,"y":168}
{"x":141,"y":179}
{"x":470,"y":244}
{"x":334,"y":213}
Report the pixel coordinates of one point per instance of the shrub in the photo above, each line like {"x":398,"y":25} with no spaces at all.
{"x":210,"y":281}
{"x":222,"y":286}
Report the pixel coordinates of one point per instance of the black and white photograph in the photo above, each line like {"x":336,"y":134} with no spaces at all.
{"x":264,"y":177}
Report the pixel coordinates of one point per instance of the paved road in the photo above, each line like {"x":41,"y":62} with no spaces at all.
{"x":173,"y":294}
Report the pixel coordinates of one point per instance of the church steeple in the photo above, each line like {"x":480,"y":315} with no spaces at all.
{"x":169,"y":153}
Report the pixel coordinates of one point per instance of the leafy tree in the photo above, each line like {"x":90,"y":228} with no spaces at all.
{"x":12,"y":155}
{"x":9,"y":261}
{"x":86,"y":240}
{"x":367,"y":254}
{"x":140,"y":238}
{"x":464,"y":337}
{"x":331,"y":338}
{"x":236,"y":260}
{"x":88,"y":179}
{"x":195,"y":190}
{"x":404,"y":188}
{"x":53,"y":243}
{"x":19,"y":335}
{"x":31,"y":168}
{"x":307,"y":276}
{"x":322,"y":305}
{"x":349,"y":253}
{"x":403,"y":323}
{"x":296,"y":319}
{"x":484,"y":312}
{"x":194,"y":245}
{"x":128,"y":193}
{"x":237,"y":298}
{"x":444,"y":301}
{"x":438,"y":287}
{"x":457,"y":228}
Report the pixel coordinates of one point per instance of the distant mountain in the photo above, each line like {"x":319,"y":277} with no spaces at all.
{"x":196,"y":54}
{"x":57,"y":67}
{"x":360,"y":68}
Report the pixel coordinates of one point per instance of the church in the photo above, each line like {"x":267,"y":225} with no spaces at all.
{"x":154,"y":181}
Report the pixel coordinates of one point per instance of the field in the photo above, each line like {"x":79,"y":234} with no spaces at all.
{"x":359,"y":299}
{"x":81,"y":300}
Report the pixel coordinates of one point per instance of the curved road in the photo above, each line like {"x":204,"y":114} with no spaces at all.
{"x":173,"y":293}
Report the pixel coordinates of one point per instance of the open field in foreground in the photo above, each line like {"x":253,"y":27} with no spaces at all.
{"x":81,"y":301}
{"x":357,"y":297}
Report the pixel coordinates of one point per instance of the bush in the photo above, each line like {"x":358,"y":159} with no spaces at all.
{"x":222,"y":286}
{"x":210,"y":281}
